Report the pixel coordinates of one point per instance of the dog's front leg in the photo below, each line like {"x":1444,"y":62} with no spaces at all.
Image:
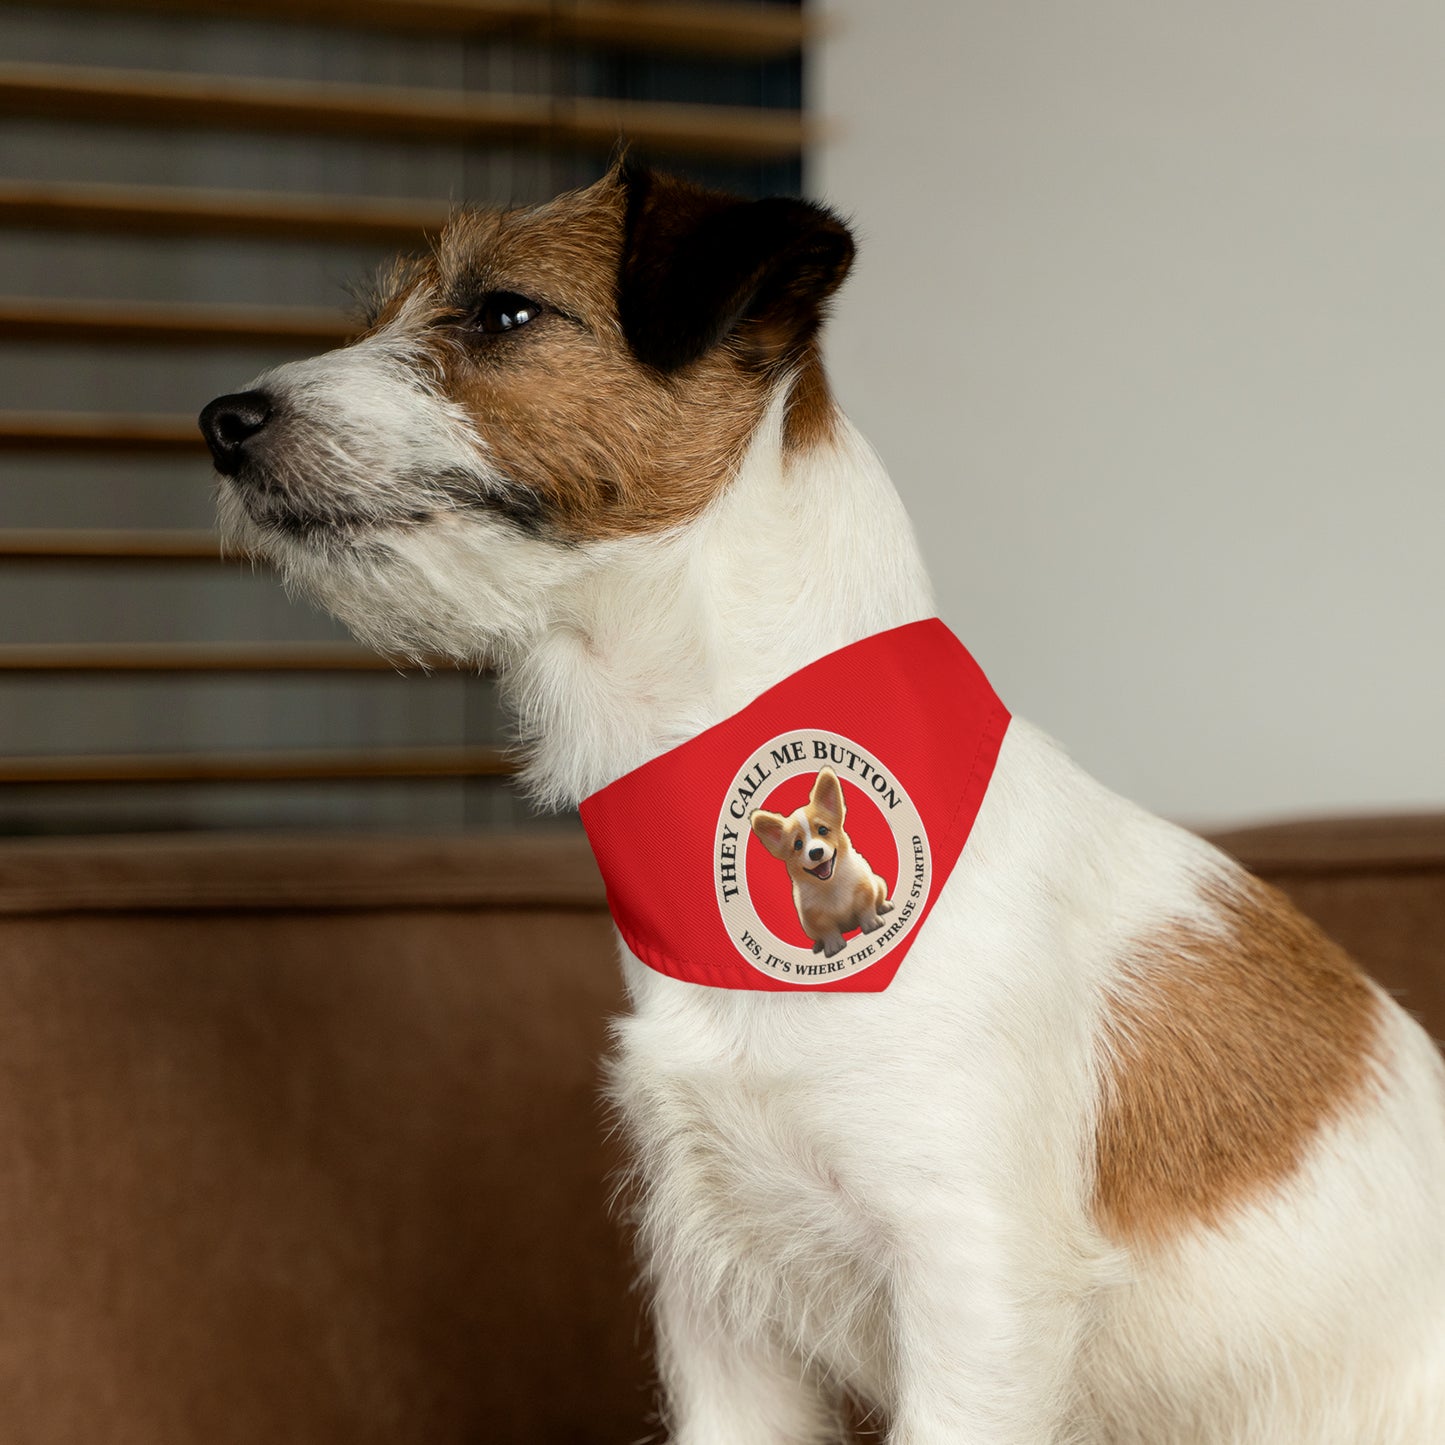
{"x":721,"y":1387}
{"x":983,"y":1355}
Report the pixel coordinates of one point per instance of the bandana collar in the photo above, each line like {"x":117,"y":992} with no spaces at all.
{"x":800,"y":844}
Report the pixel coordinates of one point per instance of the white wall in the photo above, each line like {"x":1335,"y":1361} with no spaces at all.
{"x":1149,"y":324}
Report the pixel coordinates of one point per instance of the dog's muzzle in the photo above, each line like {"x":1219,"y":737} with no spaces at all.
{"x":230,"y":422}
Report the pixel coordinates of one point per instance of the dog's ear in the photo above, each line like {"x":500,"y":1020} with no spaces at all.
{"x":827,"y":795}
{"x":772,"y":829}
{"x":700,"y":266}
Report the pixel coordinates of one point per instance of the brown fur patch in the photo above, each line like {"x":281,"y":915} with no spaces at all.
{"x":1226,"y":1054}
{"x":812,"y":413}
{"x":605,"y":445}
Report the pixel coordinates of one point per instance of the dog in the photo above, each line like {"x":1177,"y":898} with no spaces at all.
{"x":834,"y":889}
{"x":1127,"y":1153}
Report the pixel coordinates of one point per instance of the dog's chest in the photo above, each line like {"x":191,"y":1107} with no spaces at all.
{"x":747,"y":1183}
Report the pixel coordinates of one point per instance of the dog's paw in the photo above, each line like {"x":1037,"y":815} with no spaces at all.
{"x":833,"y":945}
{"x":872,"y":925}
{"x":885,"y":907}
{"x":817,"y":945}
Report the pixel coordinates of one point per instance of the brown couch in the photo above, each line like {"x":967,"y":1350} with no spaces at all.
{"x":301,"y":1138}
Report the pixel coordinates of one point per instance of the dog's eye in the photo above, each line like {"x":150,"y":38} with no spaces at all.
{"x":797,"y":843}
{"x":504,"y":311}
{"x":822,"y":832}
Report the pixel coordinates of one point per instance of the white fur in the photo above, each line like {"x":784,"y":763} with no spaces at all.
{"x":890,"y":1193}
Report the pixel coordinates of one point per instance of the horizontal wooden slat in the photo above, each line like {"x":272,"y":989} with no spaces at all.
{"x":219,"y":102}
{"x":132,"y":657}
{"x":711,"y":29}
{"x":75,"y":544}
{"x":743,"y":31}
{"x":175,"y":210}
{"x":259,"y":767}
{"x":171,"y":323}
{"x":162,"y":872}
{"x":84,"y":431}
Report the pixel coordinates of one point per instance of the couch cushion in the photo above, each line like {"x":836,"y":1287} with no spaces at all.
{"x":303,"y":1143}
{"x":303,"y":1140}
{"x":1376,"y":885}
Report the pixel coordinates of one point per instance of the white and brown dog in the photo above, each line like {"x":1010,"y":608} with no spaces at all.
{"x":1127,"y":1152}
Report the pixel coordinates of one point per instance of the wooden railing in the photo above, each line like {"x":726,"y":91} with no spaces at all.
{"x":82,"y":431}
{"x":174,"y":211}
{"x":288,"y":766}
{"x":98,"y":322}
{"x":197,"y":657}
{"x":710,"y":29}
{"x":221,"y":102}
{"x":93,"y":544}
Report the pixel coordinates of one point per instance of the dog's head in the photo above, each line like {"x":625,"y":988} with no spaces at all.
{"x":812,"y":839}
{"x":547,"y":382}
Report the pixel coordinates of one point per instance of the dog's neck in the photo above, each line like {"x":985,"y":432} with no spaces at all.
{"x":803,"y":554}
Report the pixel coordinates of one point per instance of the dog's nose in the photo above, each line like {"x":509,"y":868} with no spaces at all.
{"x":816,"y":853}
{"x":229,"y":422}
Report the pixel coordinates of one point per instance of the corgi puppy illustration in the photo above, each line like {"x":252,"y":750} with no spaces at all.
{"x":834,"y":889}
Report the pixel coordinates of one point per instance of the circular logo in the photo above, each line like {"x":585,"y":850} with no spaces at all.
{"x":822,"y":860}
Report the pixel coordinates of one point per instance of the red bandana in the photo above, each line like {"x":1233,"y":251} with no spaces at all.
{"x":800,"y":843}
